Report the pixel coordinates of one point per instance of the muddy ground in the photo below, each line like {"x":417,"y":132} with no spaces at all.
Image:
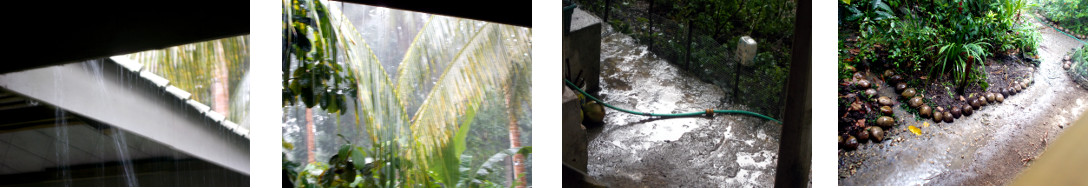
{"x":638,"y":151}
{"x":988,"y":148}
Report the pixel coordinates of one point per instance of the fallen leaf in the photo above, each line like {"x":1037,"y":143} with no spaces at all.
{"x":915,"y":130}
{"x":925,"y":124}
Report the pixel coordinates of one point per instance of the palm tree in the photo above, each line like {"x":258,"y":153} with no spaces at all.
{"x":417,"y":124}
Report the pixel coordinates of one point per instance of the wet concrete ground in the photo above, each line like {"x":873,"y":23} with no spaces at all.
{"x":988,"y":148}
{"x":638,"y":151}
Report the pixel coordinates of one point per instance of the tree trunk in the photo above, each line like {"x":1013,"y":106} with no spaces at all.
{"x":219,"y":84}
{"x":966,"y":76}
{"x":515,"y":136}
{"x":309,"y":135}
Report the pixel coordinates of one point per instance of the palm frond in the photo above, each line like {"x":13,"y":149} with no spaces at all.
{"x":484,"y":63}
{"x":431,"y":52}
{"x":378,"y":104}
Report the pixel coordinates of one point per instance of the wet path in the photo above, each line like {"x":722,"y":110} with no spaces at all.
{"x":987,"y":148}
{"x":637,"y":151}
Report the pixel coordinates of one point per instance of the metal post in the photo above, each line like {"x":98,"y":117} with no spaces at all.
{"x":736,"y":81}
{"x":607,"y":5}
{"x":687,"y":57}
{"x":650,"y":16}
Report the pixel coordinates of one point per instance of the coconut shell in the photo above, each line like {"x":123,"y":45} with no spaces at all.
{"x":938,"y":116}
{"x":886,"y":110}
{"x":999,"y":98}
{"x":974,"y":104}
{"x":863,"y":135}
{"x":870,"y":92}
{"x":990,"y":97}
{"x":925,"y":111}
{"x":885,"y":101}
{"x":885,"y":121}
{"x":900,"y":87}
{"x":948,"y":117}
{"x":915,"y":102}
{"x":876,"y":133}
{"x":909,"y":92}
{"x":851,"y":143}
{"x":896,"y":78}
{"x":956,"y":111}
{"x":968,"y":110}
{"x":863,"y":83}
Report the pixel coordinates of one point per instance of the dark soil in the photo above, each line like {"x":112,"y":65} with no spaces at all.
{"x":1001,"y":73}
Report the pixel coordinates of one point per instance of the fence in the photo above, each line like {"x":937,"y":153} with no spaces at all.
{"x":703,"y":52}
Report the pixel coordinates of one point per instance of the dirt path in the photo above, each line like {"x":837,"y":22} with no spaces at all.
{"x":987,"y":148}
{"x":637,"y":151}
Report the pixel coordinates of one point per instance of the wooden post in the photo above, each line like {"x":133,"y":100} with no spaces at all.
{"x":795,"y":148}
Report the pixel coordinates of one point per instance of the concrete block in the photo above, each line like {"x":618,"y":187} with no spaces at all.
{"x":575,"y":139}
{"x":583,"y":48}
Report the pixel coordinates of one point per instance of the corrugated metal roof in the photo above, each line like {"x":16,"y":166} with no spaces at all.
{"x":164,"y":84}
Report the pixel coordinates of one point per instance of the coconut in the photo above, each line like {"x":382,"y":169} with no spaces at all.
{"x":851,"y":143}
{"x":888,"y":73}
{"x":982,"y":101}
{"x":909,"y":92}
{"x":886,"y":110}
{"x":974,"y":103}
{"x":896,"y":78}
{"x":1000,"y":98}
{"x":885,"y":101}
{"x":594,"y":112}
{"x":863,"y":135}
{"x":956,"y":112}
{"x":948,"y":117}
{"x":938,"y":116}
{"x":926,"y":111}
{"x":967,"y":110}
{"x":1018,"y":88}
{"x":870,"y":92}
{"x":863,"y":83}
{"x":915,"y":102}
{"x":900,"y":86}
{"x":885,"y":121}
{"x":989,"y":97}
{"x":876,"y":133}
{"x":840,"y":141}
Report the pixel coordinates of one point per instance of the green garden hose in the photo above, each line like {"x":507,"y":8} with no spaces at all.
{"x":707,"y":112}
{"x":1044,"y":22}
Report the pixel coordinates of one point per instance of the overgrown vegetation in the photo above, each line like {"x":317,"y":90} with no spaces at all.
{"x":1071,"y":14}
{"x":942,"y":39}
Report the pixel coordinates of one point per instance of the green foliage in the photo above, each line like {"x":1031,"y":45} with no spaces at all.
{"x":311,"y":73}
{"x":943,"y":37}
{"x":1070,"y":14}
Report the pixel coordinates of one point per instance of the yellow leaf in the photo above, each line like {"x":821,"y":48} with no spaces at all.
{"x":915,"y":130}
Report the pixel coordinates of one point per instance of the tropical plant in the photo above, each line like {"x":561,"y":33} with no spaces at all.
{"x":417,"y":124}
{"x":961,"y":59}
